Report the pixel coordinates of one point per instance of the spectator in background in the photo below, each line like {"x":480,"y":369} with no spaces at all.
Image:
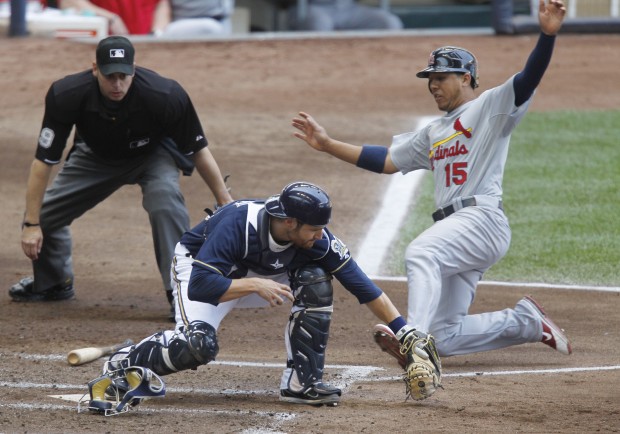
{"x":187,"y":18}
{"x":126,"y":17}
{"x":329,"y":15}
{"x":165,"y":18}
{"x":17,"y":19}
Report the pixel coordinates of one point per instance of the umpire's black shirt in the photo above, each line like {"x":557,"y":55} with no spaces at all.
{"x":154,"y":107}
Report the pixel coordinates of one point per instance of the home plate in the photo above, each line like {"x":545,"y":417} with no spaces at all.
{"x":72,"y":398}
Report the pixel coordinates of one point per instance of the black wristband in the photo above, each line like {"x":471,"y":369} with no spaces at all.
{"x":372,"y":158}
{"x":29,"y":225}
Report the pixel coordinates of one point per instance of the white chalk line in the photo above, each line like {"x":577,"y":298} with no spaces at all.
{"x":507,"y":373}
{"x":352,"y":374}
{"x":515,"y":284}
{"x":390,"y":216}
{"x":349,"y":375}
{"x":386,"y":225}
{"x":280,"y":416}
{"x":274,"y":420}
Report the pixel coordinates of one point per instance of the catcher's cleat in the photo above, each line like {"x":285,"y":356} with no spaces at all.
{"x":316,"y":394}
{"x":552,"y":335}
{"x":387,"y":341}
{"x":423,"y":371}
{"x":119,"y":390}
{"x":23,"y":291}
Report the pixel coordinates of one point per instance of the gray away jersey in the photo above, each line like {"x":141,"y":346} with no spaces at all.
{"x":467,"y":148}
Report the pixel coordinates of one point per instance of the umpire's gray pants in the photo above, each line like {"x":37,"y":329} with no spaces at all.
{"x":84,"y":181}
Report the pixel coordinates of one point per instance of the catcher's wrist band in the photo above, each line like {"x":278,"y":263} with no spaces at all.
{"x":29,"y":225}
{"x":404,"y":331}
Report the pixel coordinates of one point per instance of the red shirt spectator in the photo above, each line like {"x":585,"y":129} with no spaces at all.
{"x":126,"y":17}
{"x":136,"y":14}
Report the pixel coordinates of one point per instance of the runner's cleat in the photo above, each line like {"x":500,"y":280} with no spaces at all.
{"x":552,"y":335}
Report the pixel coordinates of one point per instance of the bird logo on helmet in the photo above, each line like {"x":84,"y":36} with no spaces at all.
{"x":452,"y":59}
{"x":303,"y":201}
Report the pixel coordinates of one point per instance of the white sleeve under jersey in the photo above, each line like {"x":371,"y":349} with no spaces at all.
{"x":467,"y":148}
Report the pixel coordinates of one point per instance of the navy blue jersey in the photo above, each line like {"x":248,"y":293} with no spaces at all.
{"x":154,"y":108}
{"x":235,"y":240}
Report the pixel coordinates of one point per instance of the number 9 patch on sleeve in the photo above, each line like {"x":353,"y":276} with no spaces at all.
{"x":46,"y":138}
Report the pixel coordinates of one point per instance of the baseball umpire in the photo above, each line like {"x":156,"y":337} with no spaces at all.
{"x":466,"y":151}
{"x":246,"y":255}
{"x":132,"y":126}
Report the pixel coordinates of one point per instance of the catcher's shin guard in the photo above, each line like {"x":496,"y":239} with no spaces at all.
{"x":423,"y":371}
{"x":308,"y":340}
{"x":195,"y":346}
{"x":308,"y":328}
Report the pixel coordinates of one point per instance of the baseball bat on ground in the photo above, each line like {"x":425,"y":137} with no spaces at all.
{"x":89,"y":354}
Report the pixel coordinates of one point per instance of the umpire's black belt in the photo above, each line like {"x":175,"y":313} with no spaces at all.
{"x":463,"y":202}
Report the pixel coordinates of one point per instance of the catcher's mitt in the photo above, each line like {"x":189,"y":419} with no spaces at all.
{"x":423,"y":370}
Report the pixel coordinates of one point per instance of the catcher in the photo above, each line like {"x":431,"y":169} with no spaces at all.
{"x":245,"y":255}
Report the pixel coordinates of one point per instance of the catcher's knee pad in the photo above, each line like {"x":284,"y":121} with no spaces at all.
{"x":201,"y":343}
{"x":198,"y":348}
{"x":312,"y":287}
{"x":309,"y":327}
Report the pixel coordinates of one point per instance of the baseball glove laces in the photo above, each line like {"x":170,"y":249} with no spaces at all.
{"x":423,"y":370}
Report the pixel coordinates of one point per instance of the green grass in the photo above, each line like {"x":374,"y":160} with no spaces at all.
{"x":562,"y":197}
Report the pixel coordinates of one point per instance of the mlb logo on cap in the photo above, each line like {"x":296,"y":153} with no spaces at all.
{"x":117,"y":53}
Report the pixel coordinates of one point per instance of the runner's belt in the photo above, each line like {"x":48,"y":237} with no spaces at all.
{"x":460,"y":203}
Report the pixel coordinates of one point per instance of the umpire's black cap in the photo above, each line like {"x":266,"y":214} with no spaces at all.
{"x":115,"y":54}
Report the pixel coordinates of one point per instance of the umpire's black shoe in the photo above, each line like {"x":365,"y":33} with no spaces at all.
{"x":23,"y":291}
{"x":315,"y":394}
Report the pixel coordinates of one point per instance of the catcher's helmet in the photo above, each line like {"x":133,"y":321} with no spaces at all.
{"x":452,"y":59}
{"x":301,"y":200}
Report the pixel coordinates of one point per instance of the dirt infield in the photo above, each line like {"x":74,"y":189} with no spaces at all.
{"x":246,"y":92}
